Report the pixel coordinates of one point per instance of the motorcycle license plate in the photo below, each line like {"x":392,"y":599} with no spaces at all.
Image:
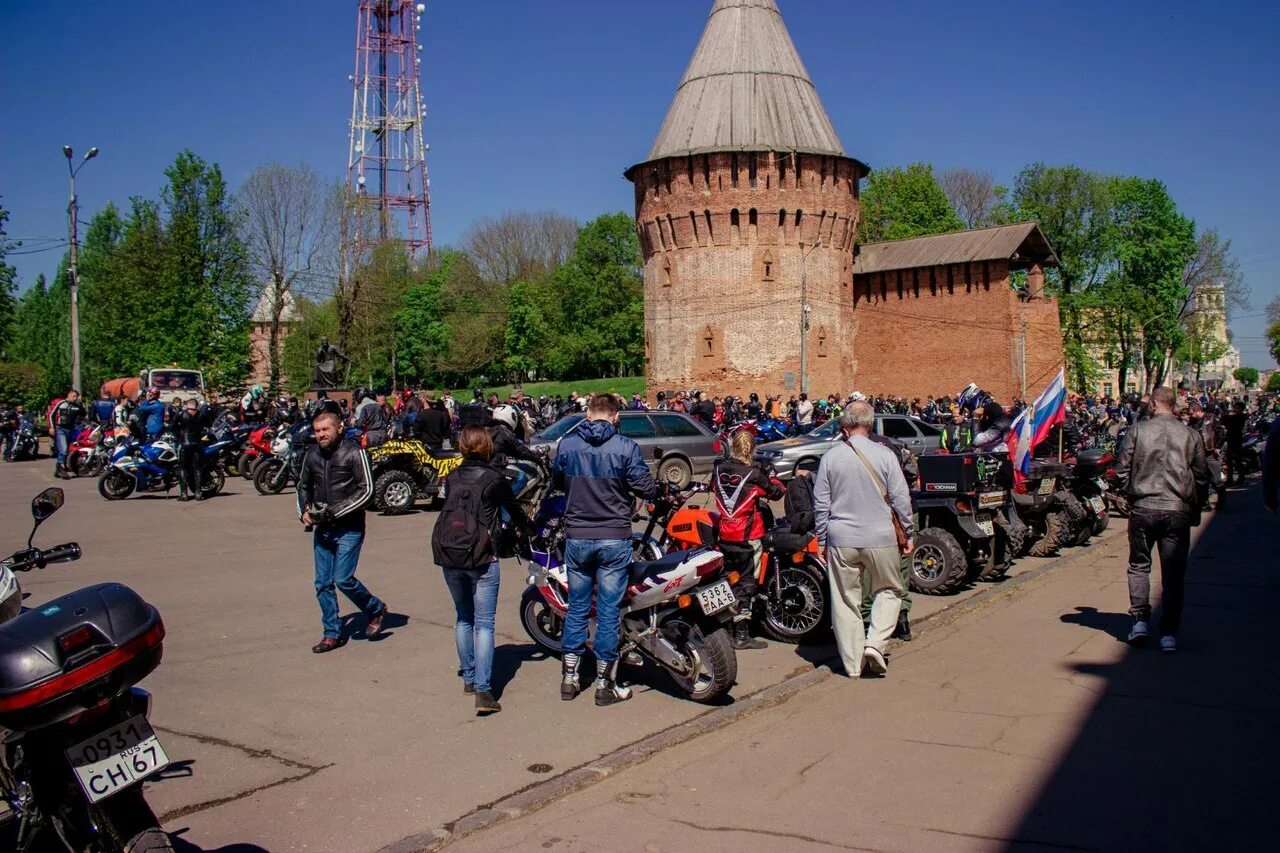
{"x":1046,"y":486}
{"x":991,"y":499}
{"x":1098,"y":506}
{"x":716,"y":597}
{"x":987,"y":524}
{"x":117,"y":758}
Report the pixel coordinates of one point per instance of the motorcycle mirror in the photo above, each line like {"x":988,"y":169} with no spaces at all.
{"x":657,"y":453}
{"x":46,"y":503}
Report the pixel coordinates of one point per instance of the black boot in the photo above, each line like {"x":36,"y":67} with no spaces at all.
{"x":608,"y":691}
{"x":569,"y":686}
{"x":903,"y":629}
{"x":742,"y":638}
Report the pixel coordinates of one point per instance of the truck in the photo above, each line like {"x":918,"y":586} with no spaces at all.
{"x":172,"y":382}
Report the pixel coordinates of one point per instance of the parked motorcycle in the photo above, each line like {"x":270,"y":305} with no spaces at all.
{"x":153,"y":465}
{"x":1086,"y":480}
{"x":26,"y":444}
{"x":76,"y":741}
{"x":674,"y":612}
{"x":257,"y":447}
{"x":88,"y":454}
{"x":272,"y":474}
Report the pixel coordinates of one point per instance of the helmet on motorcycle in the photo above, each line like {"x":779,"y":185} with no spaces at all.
{"x":505,"y":414}
{"x":857,"y":397}
{"x":406,"y":393}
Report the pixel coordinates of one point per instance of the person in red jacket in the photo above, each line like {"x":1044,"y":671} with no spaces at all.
{"x":740,"y":486}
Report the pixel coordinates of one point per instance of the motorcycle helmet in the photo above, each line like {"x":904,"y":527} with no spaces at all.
{"x":857,"y":397}
{"x":361,"y":394}
{"x":256,"y":391}
{"x":507,"y":415}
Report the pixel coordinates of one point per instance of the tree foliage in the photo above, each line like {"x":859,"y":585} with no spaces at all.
{"x":905,"y":202}
{"x":1246,"y":376}
{"x":976,"y":197}
{"x":8,"y":290}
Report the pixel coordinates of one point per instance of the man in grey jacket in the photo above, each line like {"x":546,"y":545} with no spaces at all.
{"x":1162,"y":469}
{"x":855,"y":528}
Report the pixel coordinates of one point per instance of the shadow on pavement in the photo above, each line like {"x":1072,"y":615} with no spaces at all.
{"x":181,"y":846}
{"x":507,"y":660}
{"x":1174,"y":754}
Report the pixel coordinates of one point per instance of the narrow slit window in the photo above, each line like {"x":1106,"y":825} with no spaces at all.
{"x":734,"y":223}
{"x":753,"y":222}
{"x":733,"y":170}
{"x":751,"y":170}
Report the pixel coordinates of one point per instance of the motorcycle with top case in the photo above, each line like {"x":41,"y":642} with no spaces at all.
{"x":76,"y":742}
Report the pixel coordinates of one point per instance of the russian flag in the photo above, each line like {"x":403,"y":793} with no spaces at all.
{"x":1032,"y":425}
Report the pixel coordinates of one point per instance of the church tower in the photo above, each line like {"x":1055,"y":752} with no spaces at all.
{"x":747,"y":200}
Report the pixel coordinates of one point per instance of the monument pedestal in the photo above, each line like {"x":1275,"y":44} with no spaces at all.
{"x":336,"y":394}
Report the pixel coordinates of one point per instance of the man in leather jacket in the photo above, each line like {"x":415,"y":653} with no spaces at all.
{"x":434,"y":425}
{"x":1162,"y":469}
{"x":371,"y":420}
{"x":65,"y":420}
{"x":334,"y":486}
{"x":188,"y":428}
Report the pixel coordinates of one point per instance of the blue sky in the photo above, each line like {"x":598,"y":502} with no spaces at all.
{"x":540,"y":104}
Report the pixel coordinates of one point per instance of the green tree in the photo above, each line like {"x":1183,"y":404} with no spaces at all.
{"x":25,"y":383}
{"x":42,"y":329}
{"x":111,"y":306}
{"x":1200,"y":343}
{"x":1246,"y":376}
{"x":8,"y":291}
{"x":898,"y":203}
{"x":1273,"y":328}
{"x":1273,"y":381}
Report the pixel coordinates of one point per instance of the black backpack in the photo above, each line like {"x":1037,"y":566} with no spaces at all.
{"x":798,"y":505}
{"x":460,"y":539}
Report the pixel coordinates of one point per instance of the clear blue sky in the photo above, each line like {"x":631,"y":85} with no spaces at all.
{"x":540,"y":104}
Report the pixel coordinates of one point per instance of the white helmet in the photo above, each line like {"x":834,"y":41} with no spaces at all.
{"x":857,"y":397}
{"x":505,"y":414}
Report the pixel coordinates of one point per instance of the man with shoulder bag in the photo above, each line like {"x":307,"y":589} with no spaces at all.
{"x":1163,"y":471}
{"x":862,"y":510}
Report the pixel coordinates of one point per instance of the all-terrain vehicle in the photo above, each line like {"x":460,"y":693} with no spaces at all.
{"x":405,"y":469}
{"x":965,"y":529}
{"x":1051,"y":513}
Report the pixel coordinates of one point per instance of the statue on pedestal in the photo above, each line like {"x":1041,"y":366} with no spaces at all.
{"x":325,"y":375}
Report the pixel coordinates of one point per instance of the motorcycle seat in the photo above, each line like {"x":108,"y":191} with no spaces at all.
{"x":642,"y":569}
{"x":785,"y":542}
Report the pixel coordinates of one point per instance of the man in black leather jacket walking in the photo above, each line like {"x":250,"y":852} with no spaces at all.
{"x":334,"y":486}
{"x":188,"y":427}
{"x":1162,"y":469}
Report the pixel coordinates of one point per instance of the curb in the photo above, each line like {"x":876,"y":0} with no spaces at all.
{"x":540,"y":794}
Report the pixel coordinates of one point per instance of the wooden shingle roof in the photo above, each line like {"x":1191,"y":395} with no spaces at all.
{"x":1023,"y":243}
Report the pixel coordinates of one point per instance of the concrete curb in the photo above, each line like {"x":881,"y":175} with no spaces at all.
{"x":540,"y":794}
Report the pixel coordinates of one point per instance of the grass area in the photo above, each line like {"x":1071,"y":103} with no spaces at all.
{"x":625,"y":385}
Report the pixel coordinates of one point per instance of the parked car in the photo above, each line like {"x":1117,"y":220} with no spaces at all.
{"x":804,"y":451}
{"x":688,"y":448}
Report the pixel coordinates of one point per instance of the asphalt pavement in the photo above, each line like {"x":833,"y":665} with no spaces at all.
{"x":276,"y":748}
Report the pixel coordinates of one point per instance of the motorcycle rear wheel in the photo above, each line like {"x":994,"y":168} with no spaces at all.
{"x":115,"y":485}
{"x":798,"y":612}
{"x":244,"y":464}
{"x":212,"y":482}
{"x":710,"y":653}
{"x":543,"y":625}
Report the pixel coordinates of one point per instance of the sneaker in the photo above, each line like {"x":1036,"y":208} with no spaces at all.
{"x":468,"y":688}
{"x":1138,"y":633}
{"x":1168,"y":644}
{"x":873,"y":660}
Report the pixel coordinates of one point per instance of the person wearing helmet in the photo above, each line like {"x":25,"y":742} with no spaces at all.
{"x":370,"y":418}
{"x":506,"y":445}
{"x":253,"y":406}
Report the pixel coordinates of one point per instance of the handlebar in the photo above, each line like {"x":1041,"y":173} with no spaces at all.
{"x":35,"y":558}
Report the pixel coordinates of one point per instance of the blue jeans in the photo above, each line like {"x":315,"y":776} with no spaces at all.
{"x":61,"y":443}
{"x":475,"y":600}
{"x":337,"y":552}
{"x":605,"y":563}
{"x":8,"y":439}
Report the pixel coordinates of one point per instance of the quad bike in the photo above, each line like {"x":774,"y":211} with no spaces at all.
{"x":405,"y":469}
{"x":1050,"y":512}
{"x":965,"y":529}
{"x":1087,"y":482}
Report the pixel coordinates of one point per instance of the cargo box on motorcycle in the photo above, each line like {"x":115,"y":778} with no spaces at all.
{"x":1094,"y":463}
{"x":73,"y":652}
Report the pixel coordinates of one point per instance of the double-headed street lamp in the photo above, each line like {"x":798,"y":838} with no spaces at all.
{"x":73,"y":272}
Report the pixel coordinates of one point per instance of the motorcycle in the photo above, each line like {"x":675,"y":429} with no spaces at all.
{"x":153,"y":465}
{"x":76,"y":741}
{"x":272,"y":474}
{"x":1087,"y":480}
{"x":674,"y":612}
{"x":258,"y":447}
{"x":26,"y":444}
{"x":88,"y":454}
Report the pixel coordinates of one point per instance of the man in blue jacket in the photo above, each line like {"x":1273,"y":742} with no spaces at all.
{"x":150,"y":413}
{"x":599,"y":471}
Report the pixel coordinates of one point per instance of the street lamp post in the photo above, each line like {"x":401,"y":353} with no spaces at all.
{"x":804,"y":315}
{"x":73,"y":272}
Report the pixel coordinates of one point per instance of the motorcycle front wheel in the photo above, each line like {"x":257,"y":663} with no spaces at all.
{"x":541,"y":622}
{"x":212,"y":482}
{"x":116,"y":485}
{"x":270,"y":476}
{"x":708,"y":652}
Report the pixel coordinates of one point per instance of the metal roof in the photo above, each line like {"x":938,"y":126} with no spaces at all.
{"x":1023,"y":241}
{"x":746,"y":90}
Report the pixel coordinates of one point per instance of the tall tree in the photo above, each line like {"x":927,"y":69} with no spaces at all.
{"x":8,"y":290}
{"x":898,"y":203}
{"x":282,"y":221}
{"x":519,"y":245}
{"x":109,"y":308}
{"x":42,"y":330}
{"x":975,"y":196}
{"x":1273,"y":328}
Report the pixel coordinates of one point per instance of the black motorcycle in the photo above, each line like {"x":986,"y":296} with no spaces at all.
{"x":76,"y":743}
{"x":26,"y":444}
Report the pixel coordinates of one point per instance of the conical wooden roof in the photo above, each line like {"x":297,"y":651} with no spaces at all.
{"x":746,"y":90}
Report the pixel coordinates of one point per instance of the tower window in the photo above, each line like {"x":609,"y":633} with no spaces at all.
{"x":711,"y":237}
{"x":706,"y":171}
{"x":752,"y":222}
{"x":751,"y":169}
{"x":782,"y":172}
{"x":733,"y":226}
{"x":733,"y":170}
{"x":800,"y":225}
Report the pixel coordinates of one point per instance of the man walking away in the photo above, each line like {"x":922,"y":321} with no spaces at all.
{"x":371,"y":420}
{"x":855,"y":481}
{"x":1162,"y":469}
{"x":334,"y":486}
{"x":910,"y":473}
{"x":188,"y":428}
{"x":1234,"y":424}
{"x":64,"y":420}
{"x":599,"y":470}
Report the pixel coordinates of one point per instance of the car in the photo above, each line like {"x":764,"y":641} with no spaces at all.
{"x":804,"y":451}
{"x":688,"y":447}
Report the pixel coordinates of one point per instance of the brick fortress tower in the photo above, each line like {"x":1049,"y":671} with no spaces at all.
{"x":746,"y":199}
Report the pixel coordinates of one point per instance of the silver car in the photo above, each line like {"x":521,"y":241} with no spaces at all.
{"x":792,"y":454}
{"x":688,"y":447}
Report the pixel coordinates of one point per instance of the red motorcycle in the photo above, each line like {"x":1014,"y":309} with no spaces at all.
{"x":256,"y":449}
{"x":89,"y":451}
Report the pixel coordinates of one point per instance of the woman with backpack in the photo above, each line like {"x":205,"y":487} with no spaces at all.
{"x":464,"y":545}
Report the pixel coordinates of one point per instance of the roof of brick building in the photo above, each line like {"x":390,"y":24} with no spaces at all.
{"x":1023,"y":243}
{"x":266,"y":302}
{"x":746,"y":90}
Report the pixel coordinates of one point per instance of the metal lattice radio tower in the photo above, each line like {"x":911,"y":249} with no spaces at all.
{"x":387,"y":155}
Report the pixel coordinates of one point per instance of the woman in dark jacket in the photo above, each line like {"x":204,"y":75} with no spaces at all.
{"x":479,"y":490}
